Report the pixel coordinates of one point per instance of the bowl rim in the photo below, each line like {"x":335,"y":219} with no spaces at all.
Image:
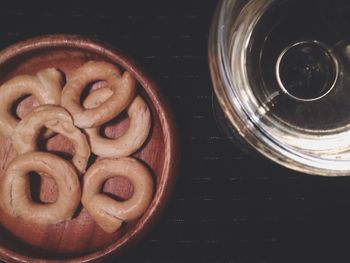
{"x":167,"y":122}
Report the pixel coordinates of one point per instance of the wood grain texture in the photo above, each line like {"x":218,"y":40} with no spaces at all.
{"x":81,"y":239}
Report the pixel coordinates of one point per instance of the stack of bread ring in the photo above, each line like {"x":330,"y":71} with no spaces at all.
{"x":64,"y":111}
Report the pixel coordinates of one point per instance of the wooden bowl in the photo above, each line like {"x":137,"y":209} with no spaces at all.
{"x":80,"y":239}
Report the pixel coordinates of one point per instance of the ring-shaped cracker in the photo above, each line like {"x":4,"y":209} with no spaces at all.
{"x":131,"y":140}
{"x":58,"y":120}
{"x":46,"y":86}
{"x":108,"y":213}
{"x":15,"y":195}
{"x":123,"y":88}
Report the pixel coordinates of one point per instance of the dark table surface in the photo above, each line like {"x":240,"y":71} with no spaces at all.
{"x":228,"y":206}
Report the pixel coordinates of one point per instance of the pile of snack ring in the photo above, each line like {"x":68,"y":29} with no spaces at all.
{"x":61,"y":111}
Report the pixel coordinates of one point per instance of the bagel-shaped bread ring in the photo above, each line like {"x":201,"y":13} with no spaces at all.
{"x":123,"y":88}
{"x":58,"y":120}
{"x":108,"y":213}
{"x":46,"y":86}
{"x":15,"y":197}
{"x":131,"y":140}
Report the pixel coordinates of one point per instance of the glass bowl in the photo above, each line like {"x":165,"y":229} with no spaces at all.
{"x":281,"y":78}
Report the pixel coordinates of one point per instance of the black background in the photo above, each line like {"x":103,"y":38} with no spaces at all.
{"x":227,"y":206}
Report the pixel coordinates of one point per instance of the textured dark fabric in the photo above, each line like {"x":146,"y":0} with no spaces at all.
{"x":228,"y":206}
